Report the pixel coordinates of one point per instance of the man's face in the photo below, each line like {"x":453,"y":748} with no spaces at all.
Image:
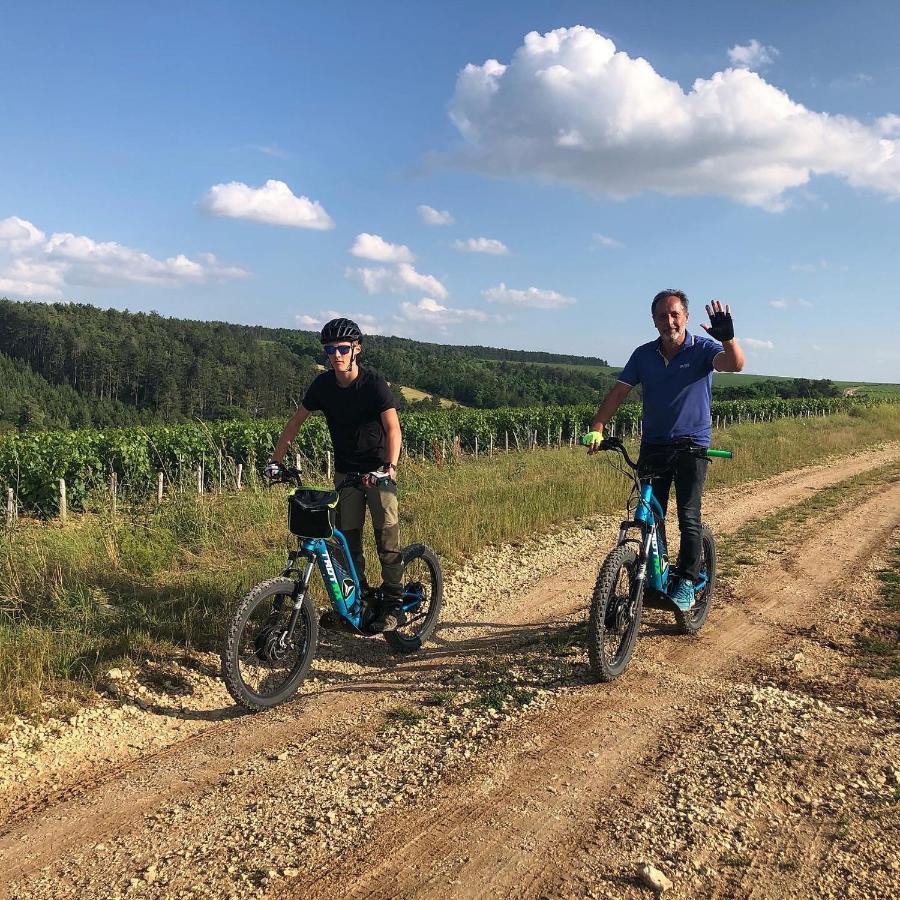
{"x":341,"y":353}
{"x":670,"y":319}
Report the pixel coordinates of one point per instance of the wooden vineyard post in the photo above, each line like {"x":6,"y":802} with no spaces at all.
{"x":559,"y":442}
{"x":10,"y":507}
{"x":113,"y":493}
{"x":160,"y":485}
{"x":238,"y":475}
{"x":297,"y":461}
{"x":63,"y":508}
{"x":506,"y":440}
{"x":476,"y":446}
{"x":328,"y":465}
{"x":491,"y":445}
{"x":199,"y":479}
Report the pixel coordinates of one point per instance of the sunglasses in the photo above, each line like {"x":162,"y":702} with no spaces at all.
{"x":342,"y":349}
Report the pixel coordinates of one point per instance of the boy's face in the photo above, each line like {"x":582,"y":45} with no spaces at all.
{"x":341,"y":354}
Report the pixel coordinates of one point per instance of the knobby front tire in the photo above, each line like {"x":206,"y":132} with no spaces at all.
{"x":694,"y":619}
{"x":259,"y":671}
{"x":615,"y":615}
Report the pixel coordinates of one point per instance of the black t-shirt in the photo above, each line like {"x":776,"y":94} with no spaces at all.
{"x":353,"y":414}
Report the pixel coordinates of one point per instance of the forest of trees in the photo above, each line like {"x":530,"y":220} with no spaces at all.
{"x":73,"y":365}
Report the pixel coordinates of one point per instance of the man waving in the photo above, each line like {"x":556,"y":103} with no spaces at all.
{"x":675,"y":374}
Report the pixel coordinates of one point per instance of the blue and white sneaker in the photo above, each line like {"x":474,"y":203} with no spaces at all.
{"x":683,"y":596}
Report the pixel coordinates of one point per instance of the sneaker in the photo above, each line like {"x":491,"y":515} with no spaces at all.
{"x":683,"y":596}
{"x":388,"y":620}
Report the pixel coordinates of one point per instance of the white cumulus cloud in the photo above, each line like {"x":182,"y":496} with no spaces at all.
{"x":752,"y":56}
{"x":531,"y":298}
{"x":889,"y":125}
{"x":34,"y":265}
{"x":573,"y":109}
{"x":375,"y":247}
{"x":778,"y":304}
{"x":397,"y":280}
{"x":430,"y":310}
{"x":482,"y":245}
{"x":273,"y":204}
{"x":18,"y":235}
{"x":431,"y":216}
{"x":757,"y":344}
{"x":603,"y":240}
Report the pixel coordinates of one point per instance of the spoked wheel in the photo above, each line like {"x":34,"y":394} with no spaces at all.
{"x":423,"y":594}
{"x":260,"y":664}
{"x":615,"y":614}
{"x":692,"y":621}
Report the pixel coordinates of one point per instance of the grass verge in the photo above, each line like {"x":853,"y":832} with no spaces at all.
{"x":76,"y":600}
{"x":878,"y":647}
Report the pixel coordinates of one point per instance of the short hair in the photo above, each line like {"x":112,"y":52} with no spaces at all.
{"x":669,"y":293}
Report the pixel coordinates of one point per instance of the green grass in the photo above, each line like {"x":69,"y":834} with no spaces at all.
{"x":748,"y":546}
{"x":79,"y":599}
{"x":414,"y":394}
{"x":878,"y":647}
{"x":405,"y":715}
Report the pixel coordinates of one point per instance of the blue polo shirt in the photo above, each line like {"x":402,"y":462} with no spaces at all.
{"x":677,"y":392}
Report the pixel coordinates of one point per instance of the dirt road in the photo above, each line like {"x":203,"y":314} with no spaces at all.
{"x":491,"y":765}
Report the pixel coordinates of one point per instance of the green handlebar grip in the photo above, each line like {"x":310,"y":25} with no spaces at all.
{"x":592,"y":437}
{"x":722,"y":454}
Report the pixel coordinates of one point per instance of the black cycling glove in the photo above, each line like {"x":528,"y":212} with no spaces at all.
{"x":721,"y":326}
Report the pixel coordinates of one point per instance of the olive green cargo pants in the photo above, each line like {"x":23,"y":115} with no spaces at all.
{"x":351,"y":516}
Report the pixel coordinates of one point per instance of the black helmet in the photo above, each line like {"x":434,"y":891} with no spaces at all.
{"x":340,"y":330}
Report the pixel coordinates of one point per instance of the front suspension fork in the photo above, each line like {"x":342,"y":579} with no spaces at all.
{"x":302,"y":586}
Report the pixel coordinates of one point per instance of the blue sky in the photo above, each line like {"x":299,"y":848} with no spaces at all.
{"x":222,"y":160}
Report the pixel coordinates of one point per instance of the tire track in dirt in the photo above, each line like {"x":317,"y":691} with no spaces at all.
{"x":506,"y":832}
{"x":87,"y":812}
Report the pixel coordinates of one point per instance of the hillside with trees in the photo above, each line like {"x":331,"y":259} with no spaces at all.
{"x":71,"y":365}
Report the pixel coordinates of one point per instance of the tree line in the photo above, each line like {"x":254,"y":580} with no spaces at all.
{"x":75,"y":366}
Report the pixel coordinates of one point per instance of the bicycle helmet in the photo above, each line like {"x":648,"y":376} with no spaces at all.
{"x":340,"y":330}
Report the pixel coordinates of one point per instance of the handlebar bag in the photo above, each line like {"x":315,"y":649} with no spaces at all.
{"x":312,"y":513}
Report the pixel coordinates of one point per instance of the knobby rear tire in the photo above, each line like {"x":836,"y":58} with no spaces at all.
{"x":409,"y":639}
{"x":260,"y":597}
{"x":621,"y":563}
{"x":694,"y":619}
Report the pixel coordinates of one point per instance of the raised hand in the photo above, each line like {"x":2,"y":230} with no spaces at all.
{"x":721,"y":326}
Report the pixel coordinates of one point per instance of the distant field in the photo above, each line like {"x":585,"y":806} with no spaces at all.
{"x":413,"y":395}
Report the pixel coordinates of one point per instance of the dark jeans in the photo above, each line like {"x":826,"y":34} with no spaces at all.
{"x":689,"y":474}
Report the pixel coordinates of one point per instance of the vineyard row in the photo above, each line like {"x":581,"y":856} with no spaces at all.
{"x":33,"y":463}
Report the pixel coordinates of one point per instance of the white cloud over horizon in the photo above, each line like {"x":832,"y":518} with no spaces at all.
{"x":482,"y":245}
{"x":430,"y":310}
{"x":431,"y":216}
{"x":603,"y":240}
{"x":529,"y":298}
{"x":272,"y":204}
{"x":33,"y":265}
{"x":375,"y":247}
{"x":571,"y":108}
{"x":756,"y":343}
{"x":400,"y":279}
{"x":753,"y":55}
